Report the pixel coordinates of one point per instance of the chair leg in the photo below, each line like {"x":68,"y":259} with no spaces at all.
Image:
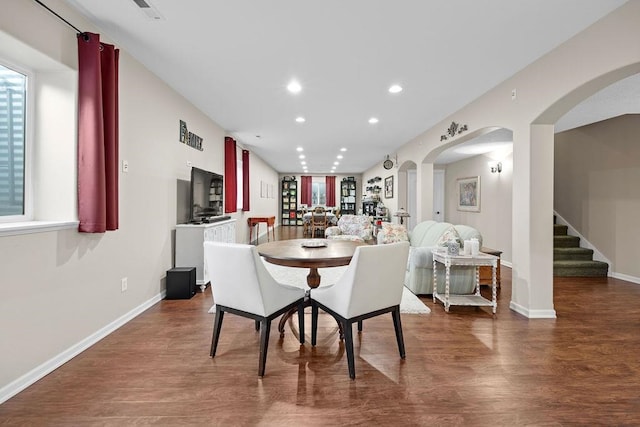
{"x":348,"y":344}
{"x":257,"y":325}
{"x":301,"y":321}
{"x":314,"y":323}
{"x":398,"y":327}
{"x":265,"y":327}
{"x":359,"y":325}
{"x":217,"y":326}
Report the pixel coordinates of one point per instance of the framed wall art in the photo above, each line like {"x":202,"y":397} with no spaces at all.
{"x":388,"y":187}
{"x":469,"y":194}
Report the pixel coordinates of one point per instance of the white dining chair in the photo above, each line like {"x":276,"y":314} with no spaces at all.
{"x":371,"y":286}
{"x":242,"y":285}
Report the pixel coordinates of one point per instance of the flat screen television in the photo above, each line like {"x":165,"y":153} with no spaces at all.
{"x":205,"y":195}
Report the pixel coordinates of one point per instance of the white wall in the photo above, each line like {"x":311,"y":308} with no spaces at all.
{"x":494,"y":219}
{"x":60,"y":288}
{"x":597,"y":172}
{"x":600,"y":55}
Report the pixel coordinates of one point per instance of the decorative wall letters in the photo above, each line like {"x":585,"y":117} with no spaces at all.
{"x":191,"y":139}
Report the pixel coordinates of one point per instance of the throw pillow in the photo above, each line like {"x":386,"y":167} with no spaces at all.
{"x":449,"y":234}
{"x":393,"y":233}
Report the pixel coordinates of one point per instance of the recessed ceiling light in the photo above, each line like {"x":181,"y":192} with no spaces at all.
{"x":373,"y":120}
{"x":303,"y":162}
{"x":339,"y":156}
{"x":294,"y":87}
{"x":299,"y":149}
{"x":343,"y":149}
{"x":300,"y":119}
{"x":336,"y":163}
{"x":301,"y":156}
{"x":395,"y":89}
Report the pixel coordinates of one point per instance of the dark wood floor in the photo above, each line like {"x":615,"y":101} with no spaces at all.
{"x":462,"y":368}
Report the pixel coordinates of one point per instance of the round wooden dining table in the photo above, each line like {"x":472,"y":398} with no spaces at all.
{"x":308,"y":253}
{"x":300,"y":253}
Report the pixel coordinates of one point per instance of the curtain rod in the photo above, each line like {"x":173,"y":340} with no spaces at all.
{"x":84,"y":36}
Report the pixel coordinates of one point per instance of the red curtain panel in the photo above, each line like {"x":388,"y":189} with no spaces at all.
{"x":97,"y":135}
{"x":330,"y":186}
{"x":230,"y":177}
{"x":305,"y":190}
{"x":245,"y":180}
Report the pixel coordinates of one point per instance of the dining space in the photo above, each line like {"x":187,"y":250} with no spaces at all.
{"x":316,"y":221}
{"x":246,"y":288}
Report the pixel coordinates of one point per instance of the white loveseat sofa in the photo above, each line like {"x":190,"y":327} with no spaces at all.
{"x":424,"y":238}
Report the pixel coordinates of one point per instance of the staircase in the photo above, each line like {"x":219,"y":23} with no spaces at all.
{"x":569,"y":259}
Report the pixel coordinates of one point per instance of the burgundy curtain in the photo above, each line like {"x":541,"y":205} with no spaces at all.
{"x":97,"y":134}
{"x":305,"y":190}
{"x":230,"y":175}
{"x":330,"y":186}
{"x":245,"y":180}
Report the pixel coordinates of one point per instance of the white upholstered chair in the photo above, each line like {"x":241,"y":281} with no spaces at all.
{"x":371,"y":286}
{"x":241,"y":285}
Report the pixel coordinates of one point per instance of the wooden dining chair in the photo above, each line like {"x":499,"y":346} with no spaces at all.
{"x":372,"y":285}
{"x":241,"y":285}
{"x":318,"y":223}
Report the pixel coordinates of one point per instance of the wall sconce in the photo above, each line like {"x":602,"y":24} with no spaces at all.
{"x":496,"y":167}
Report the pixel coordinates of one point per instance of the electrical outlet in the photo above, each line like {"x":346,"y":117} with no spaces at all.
{"x":188,"y":163}
{"x":124,"y":285}
{"x":125,"y":166}
{"x":514,"y":94}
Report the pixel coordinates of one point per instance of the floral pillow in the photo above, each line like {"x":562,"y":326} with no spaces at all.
{"x":449,"y":234}
{"x":393,"y":233}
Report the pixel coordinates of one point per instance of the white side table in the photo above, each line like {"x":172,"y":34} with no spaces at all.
{"x":474,"y":299}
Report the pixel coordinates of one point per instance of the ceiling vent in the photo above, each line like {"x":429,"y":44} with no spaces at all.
{"x":149,"y":10}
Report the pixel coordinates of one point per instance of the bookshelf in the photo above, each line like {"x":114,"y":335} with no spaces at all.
{"x":348,"y":196}
{"x":289,"y":201}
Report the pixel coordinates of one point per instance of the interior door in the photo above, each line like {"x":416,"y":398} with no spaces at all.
{"x":438,"y":195}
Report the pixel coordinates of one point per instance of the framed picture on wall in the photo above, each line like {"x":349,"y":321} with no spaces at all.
{"x":469,"y":194}
{"x":388,"y":187}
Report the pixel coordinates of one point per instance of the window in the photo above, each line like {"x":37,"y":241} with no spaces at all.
{"x":13,"y":91}
{"x":318,"y":191}
{"x":239,"y":186}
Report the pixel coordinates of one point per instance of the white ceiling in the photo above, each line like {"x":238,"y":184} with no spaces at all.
{"x":234,"y":58}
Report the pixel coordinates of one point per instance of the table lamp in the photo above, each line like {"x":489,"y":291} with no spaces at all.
{"x":401,"y":213}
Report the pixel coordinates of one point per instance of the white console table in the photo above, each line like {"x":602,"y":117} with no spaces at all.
{"x":189,"y":244}
{"x":474,"y":299}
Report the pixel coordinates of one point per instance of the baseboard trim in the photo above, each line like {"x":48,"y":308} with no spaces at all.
{"x":625,"y":277}
{"x":15,"y":387}
{"x":532,"y":314}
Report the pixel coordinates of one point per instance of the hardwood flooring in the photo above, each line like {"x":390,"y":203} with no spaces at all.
{"x":462,"y":368}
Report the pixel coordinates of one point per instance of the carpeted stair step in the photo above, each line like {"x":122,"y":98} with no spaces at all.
{"x":575,"y":254}
{"x":566,"y":241}
{"x":580,"y":268}
{"x":560,"y":230}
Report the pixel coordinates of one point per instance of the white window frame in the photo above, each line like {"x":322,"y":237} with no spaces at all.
{"x":239,"y":184}
{"x":28,"y":143}
{"x":315,"y":182}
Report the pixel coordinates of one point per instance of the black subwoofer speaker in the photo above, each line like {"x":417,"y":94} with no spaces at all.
{"x":181,"y":283}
